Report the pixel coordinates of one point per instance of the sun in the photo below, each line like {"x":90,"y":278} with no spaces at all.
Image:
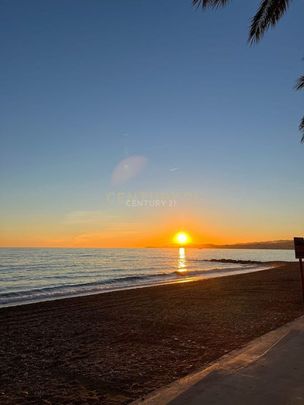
{"x":182,"y":238}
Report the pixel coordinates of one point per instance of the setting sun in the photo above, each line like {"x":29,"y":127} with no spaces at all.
{"x":182,"y":238}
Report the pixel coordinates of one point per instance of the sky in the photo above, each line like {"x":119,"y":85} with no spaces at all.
{"x":123,"y":122}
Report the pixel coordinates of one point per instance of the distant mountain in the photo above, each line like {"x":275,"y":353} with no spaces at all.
{"x":275,"y":244}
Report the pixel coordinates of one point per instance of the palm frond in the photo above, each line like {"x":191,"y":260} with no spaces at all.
{"x":300,"y":83}
{"x":268,"y":14}
{"x":300,"y":86}
{"x":301,"y":128}
{"x":209,"y":3}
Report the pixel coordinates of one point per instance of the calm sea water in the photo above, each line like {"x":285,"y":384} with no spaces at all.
{"x":31,"y":275}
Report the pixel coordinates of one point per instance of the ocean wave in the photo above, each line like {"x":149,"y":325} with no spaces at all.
{"x":70,"y":289}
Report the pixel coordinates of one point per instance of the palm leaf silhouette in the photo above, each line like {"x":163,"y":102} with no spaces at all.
{"x":210,"y":3}
{"x":267,"y":16}
{"x":300,"y":83}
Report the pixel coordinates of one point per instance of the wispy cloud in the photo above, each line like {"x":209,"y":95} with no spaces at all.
{"x":87,"y":217}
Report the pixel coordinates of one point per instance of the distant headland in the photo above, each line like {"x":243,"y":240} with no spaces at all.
{"x":275,"y":244}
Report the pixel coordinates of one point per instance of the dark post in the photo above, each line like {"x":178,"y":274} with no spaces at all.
{"x":299,"y":251}
{"x":302,"y":277}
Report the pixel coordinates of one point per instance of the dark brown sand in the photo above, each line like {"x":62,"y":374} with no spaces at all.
{"x":116,"y":347}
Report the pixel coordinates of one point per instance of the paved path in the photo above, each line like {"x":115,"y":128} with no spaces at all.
{"x":270,"y":370}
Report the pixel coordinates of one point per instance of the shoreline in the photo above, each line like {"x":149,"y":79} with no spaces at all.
{"x":115,"y":348}
{"x":212,"y":274}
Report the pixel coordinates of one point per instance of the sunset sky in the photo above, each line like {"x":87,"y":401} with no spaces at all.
{"x":123,"y":122}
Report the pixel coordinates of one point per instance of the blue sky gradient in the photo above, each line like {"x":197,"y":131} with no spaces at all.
{"x":85,"y":84}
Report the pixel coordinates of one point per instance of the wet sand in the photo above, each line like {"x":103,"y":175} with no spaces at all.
{"x":116,"y":347}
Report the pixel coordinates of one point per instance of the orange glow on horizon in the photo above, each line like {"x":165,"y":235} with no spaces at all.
{"x":96,"y":229}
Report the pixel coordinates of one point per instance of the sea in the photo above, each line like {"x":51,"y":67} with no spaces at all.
{"x":31,"y":275}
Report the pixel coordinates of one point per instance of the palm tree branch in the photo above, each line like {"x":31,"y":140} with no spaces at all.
{"x":301,"y":128}
{"x":268,"y":14}
{"x":209,"y":3}
{"x":300,"y":83}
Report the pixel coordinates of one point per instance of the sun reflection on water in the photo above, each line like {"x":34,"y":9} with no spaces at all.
{"x":181,"y":263}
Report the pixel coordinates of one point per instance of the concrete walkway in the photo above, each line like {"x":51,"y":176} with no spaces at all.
{"x":269,"y":370}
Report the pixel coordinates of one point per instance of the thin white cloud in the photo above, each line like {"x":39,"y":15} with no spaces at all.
{"x":87,"y":217}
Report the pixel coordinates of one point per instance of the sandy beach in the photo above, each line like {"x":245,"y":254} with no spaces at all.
{"x":116,"y":347}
